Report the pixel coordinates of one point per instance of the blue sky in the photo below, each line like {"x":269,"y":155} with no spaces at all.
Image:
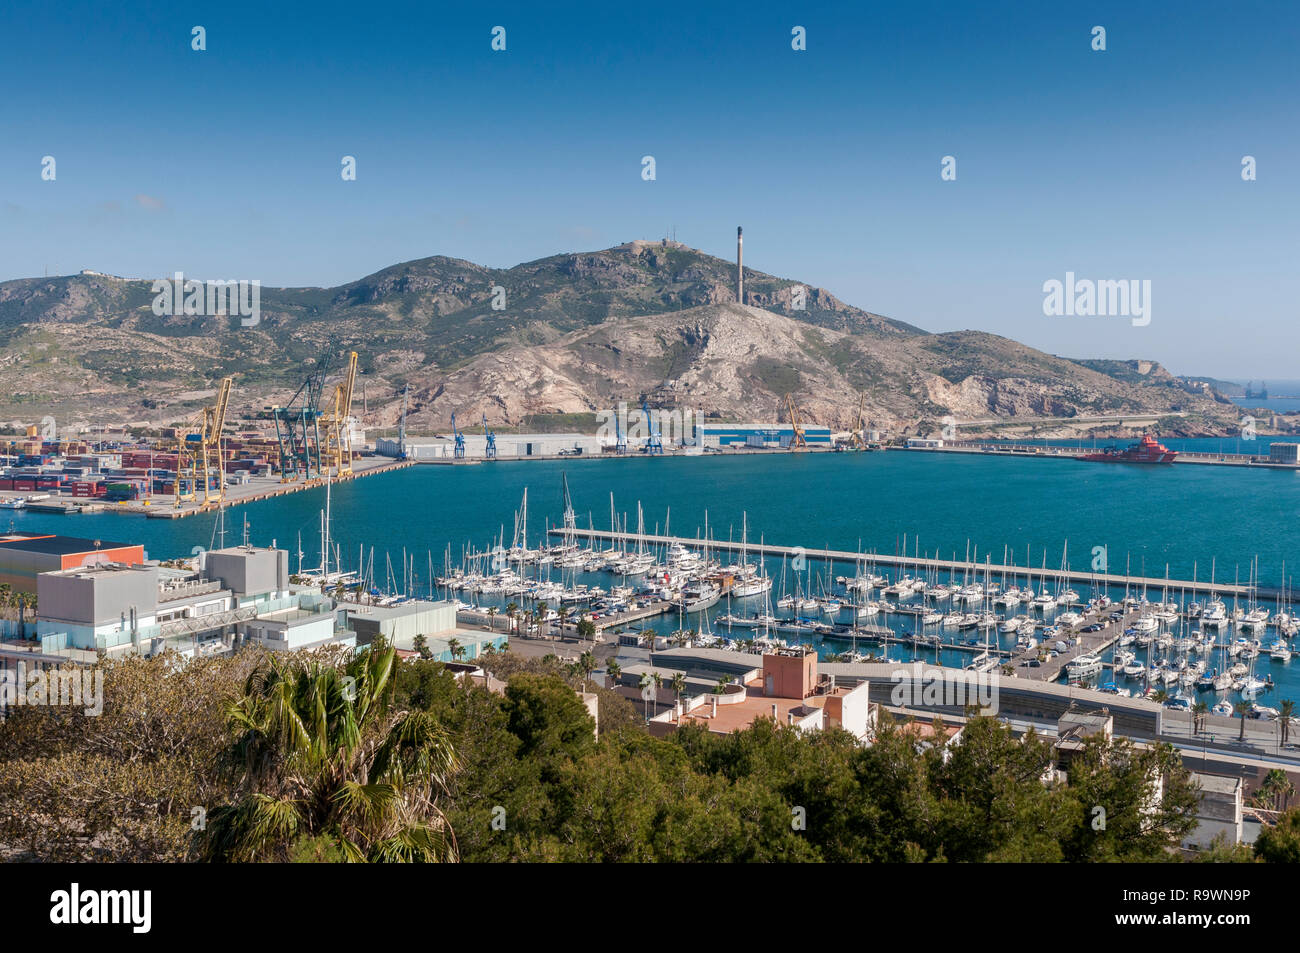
{"x":1114,"y":165}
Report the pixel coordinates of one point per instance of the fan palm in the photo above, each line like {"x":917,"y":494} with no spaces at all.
{"x":319,"y":754}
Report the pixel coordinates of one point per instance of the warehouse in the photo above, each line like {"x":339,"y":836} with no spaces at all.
{"x":762,"y":435}
{"x":23,"y":556}
{"x":512,"y":446}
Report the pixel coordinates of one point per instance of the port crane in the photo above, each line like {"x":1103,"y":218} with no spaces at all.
{"x":797,"y":441}
{"x":201,"y":440}
{"x":338,"y":430}
{"x":401,"y":427}
{"x":459,"y":451}
{"x":652,"y":442}
{"x":297,"y":428}
{"x":858,"y":439}
{"x":490,"y":451}
{"x":620,"y":439}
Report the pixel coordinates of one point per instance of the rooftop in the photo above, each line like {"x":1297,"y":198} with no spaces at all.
{"x":57,"y":545}
{"x":399,"y":611}
{"x":1217,"y":783}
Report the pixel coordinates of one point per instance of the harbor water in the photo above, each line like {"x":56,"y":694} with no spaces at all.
{"x":1140,"y":520}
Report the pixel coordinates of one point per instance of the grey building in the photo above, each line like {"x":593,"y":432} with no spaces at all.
{"x":248,"y":570}
{"x":98,"y":596}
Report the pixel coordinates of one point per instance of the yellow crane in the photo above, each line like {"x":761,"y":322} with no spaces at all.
{"x":338,"y":431}
{"x":858,"y":439}
{"x":797,"y":441}
{"x":201,"y":440}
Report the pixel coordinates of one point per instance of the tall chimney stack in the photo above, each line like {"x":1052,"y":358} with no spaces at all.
{"x":740,"y":265}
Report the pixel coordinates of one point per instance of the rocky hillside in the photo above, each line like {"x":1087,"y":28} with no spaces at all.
{"x":577,"y":333}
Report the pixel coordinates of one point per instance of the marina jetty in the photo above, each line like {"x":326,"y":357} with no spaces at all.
{"x":917,"y":562}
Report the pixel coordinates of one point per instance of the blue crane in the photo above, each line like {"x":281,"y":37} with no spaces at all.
{"x":401,"y":429}
{"x":652,"y":443}
{"x":620,"y":440}
{"x":459,"y":452}
{"x":491,"y":451}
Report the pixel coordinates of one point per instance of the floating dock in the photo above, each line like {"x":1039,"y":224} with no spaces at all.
{"x":915,"y":563}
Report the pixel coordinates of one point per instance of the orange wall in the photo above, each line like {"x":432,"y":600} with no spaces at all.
{"x":786,"y":676}
{"x":131,"y":555}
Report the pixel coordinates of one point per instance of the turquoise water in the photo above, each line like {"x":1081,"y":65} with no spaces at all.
{"x":1178,"y":516}
{"x":1181,"y":516}
{"x":1280,"y":405}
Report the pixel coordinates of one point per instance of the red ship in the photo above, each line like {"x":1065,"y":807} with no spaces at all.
{"x":1146,"y":450}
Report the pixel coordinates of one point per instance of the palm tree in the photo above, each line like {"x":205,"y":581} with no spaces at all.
{"x":613,"y":670}
{"x":1160,"y":697}
{"x":539,"y":613}
{"x":679,"y":684}
{"x":1285,"y":711}
{"x":1241,"y":710}
{"x":587,"y":663}
{"x":457,"y":650}
{"x":643,"y":684}
{"x":492,"y":615}
{"x":24,"y":600}
{"x":512,"y":609}
{"x":1199,"y":711}
{"x":723,"y":682}
{"x":320,"y":755}
{"x":1275,"y":791}
{"x":562,"y":614}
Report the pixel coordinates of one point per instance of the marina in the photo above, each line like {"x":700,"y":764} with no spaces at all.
{"x":452,"y":527}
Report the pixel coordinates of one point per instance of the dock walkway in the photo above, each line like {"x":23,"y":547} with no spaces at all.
{"x":917,"y":564}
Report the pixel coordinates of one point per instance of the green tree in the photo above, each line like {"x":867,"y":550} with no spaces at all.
{"x":1241,"y":710}
{"x":1279,"y":843}
{"x":1275,"y":792}
{"x":1223,"y":851}
{"x":318,"y":754}
{"x":547,"y":716}
{"x":1199,"y":711}
{"x":1146,"y":797}
{"x":587,"y":665}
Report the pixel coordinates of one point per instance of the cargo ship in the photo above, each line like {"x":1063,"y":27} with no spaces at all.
{"x":1146,"y":450}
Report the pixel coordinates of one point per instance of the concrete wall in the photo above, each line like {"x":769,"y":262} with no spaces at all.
{"x":788,"y":676}
{"x":19,"y":568}
{"x":852,"y":711}
{"x":98,"y":597}
{"x":401,"y":624}
{"x":1219,"y":811}
{"x":246,"y":572}
{"x":288,"y":636}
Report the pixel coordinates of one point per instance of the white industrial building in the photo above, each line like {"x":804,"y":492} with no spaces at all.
{"x":509,"y":446}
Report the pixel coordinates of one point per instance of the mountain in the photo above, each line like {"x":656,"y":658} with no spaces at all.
{"x":576,"y":334}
